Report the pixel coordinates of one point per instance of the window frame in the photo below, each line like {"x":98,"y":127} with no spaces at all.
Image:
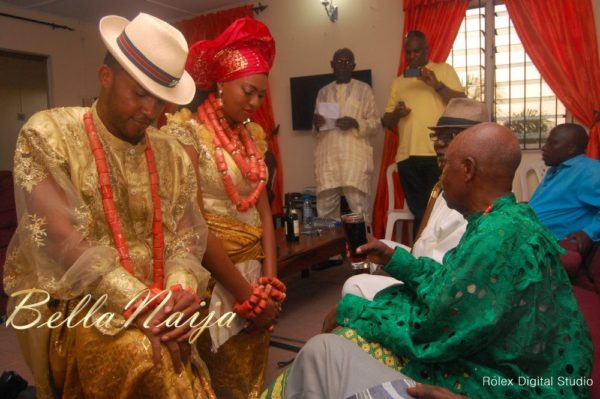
{"x":530,"y":140}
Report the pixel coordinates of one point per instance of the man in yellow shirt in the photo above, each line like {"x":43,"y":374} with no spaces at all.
{"x":417,"y":99}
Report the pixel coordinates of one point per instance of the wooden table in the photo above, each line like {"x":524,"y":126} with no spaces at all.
{"x":298,"y":255}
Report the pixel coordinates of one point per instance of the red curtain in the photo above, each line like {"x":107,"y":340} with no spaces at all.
{"x":560,"y":38}
{"x":440,"y":21}
{"x":264,"y":117}
{"x":210,"y":26}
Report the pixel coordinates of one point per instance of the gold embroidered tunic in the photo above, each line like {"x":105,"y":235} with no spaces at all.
{"x":63,"y":245}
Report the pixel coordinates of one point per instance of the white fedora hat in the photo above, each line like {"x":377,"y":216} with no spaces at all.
{"x":153,"y":53}
{"x":462,"y":113}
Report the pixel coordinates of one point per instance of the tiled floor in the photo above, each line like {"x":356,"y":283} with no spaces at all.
{"x":309,"y":299}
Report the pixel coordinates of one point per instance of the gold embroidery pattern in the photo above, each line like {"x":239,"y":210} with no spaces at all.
{"x":13,"y":271}
{"x":12,"y":256}
{"x":43,"y":154}
{"x":83,"y":220}
{"x":188,"y":193}
{"x":28,"y":173}
{"x":210,"y":177}
{"x":206,"y":146}
{"x":37,"y":229}
{"x":104,"y":240}
{"x":120,"y":287}
{"x":231,"y":60}
{"x":73,"y":133}
{"x":258,"y":136}
{"x":181,"y":126}
{"x":202,"y":72}
{"x":183,"y":244}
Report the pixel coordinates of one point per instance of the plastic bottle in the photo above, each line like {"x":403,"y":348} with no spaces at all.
{"x":307,"y":213}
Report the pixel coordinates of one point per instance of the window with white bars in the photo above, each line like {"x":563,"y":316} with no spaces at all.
{"x":518,"y":96}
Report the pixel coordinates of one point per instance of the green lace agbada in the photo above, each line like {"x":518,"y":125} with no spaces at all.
{"x":499,"y":308}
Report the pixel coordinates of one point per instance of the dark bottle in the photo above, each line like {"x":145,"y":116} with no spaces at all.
{"x":292,"y":224}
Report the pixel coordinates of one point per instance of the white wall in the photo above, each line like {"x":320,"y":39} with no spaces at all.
{"x":306,"y":41}
{"x":73,"y":58}
{"x":23,"y":85}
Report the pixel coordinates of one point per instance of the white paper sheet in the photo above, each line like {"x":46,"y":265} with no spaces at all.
{"x":331,"y":113}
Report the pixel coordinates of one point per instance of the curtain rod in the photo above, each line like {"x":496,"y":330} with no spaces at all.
{"x":37,"y":21}
{"x":259,"y":8}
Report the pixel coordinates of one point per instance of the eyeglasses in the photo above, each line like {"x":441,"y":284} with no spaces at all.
{"x":446,"y":136}
{"x":344,"y":62}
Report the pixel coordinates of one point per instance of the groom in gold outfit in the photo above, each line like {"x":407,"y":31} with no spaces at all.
{"x":108,"y":206}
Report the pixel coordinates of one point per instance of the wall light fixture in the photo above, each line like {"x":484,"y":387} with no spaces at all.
{"x":331,"y":10}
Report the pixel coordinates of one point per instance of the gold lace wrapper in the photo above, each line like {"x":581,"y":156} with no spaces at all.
{"x":237,"y":369}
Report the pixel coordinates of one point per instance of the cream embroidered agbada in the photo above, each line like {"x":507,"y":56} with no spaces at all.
{"x":345,"y":158}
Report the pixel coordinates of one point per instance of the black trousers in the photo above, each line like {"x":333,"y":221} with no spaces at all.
{"x":418,"y":175}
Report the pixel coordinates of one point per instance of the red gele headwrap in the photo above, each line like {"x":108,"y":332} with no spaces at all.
{"x":245,"y":48}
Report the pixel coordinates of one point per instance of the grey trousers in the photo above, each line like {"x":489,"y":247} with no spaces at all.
{"x":328,"y":202}
{"x":331,"y":367}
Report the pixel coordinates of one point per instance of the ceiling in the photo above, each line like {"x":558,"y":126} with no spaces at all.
{"x":90,"y":11}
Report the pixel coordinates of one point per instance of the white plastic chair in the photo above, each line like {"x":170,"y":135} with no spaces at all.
{"x":539,"y":169}
{"x":403,"y":215}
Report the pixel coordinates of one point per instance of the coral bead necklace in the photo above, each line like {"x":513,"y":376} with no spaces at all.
{"x":110,"y":211}
{"x":239,"y":145}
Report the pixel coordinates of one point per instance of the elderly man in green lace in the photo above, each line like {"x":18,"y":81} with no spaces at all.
{"x":497,"y":318}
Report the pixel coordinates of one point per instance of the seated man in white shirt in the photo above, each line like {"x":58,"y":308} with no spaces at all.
{"x":442,"y":227}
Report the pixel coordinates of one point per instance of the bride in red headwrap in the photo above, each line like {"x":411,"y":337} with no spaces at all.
{"x":228,"y":150}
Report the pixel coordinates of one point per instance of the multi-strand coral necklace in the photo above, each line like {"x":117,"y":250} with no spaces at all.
{"x":110,"y":211}
{"x":238,"y":143}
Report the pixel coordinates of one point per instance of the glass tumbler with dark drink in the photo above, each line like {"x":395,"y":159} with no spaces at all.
{"x":356,"y":235}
